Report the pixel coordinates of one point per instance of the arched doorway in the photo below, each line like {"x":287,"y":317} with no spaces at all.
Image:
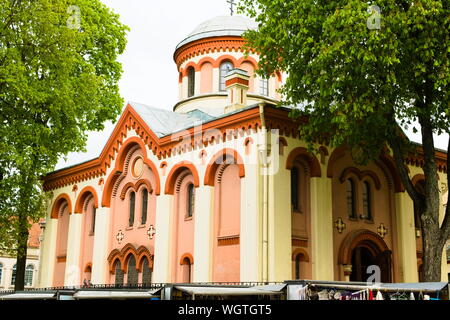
{"x":360,"y":251}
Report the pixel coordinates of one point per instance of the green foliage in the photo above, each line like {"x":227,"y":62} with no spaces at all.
{"x":351,"y":80}
{"x":58,"y":78}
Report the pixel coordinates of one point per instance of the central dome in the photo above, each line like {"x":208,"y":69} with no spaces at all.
{"x":220,"y":26}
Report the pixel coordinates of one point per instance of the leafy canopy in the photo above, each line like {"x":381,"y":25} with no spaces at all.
{"x":352,"y":76}
{"x":58,"y":79}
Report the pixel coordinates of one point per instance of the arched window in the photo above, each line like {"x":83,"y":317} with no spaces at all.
{"x":295,"y":189}
{"x":191,"y":81}
{"x":264,"y":87}
{"x":225,"y":67}
{"x":1,"y":273}
{"x":351,"y":198}
{"x":190,"y":200}
{"x":13,"y":275}
{"x":132,"y":274}
{"x":94,"y":212}
{"x":118,"y":273}
{"x":187,"y":270}
{"x":367,"y":201}
{"x":146,"y":272}
{"x":298,"y":258}
{"x":144,"y":206}
{"x":132,"y":205}
{"x":29,"y":275}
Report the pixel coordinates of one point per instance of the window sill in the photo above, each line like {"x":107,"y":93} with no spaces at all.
{"x":297,"y":211}
{"x":352,"y":219}
{"x":142,"y":226}
{"x":91,"y":234}
{"x":128,"y":228}
{"x":369,"y":221}
{"x":188,"y":218}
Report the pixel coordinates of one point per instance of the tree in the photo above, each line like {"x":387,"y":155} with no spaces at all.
{"x":58,"y":79}
{"x":359,"y":72}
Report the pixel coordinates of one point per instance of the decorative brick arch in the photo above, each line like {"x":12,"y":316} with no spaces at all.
{"x":356,"y":238}
{"x":249,"y":59}
{"x":313,"y":163}
{"x":361,"y":175}
{"x":119,"y":167}
{"x":175,"y":171}
{"x":226,"y":57}
{"x":143,"y":252}
{"x":337,"y":153}
{"x":57,"y":205}
{"x":190,"y":64}
{"x":82,"y":198}
{"x":188,"y":256}
{"x":389,"y":162}
{"x":214,"y":164}
{"x":302,"y":252}
{"x":418,"y":178}
{"x":205,"y":60}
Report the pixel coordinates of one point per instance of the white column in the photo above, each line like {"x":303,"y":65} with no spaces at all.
{"x":48,"y":257}
{"x":162,"y":268}
{"x":72,"y":272}
{"x":101,"y":246}
{"x":203,"y":234}
{"x":321,"y":228}
{"x":406,"y":238}
{"x":251,"y":225}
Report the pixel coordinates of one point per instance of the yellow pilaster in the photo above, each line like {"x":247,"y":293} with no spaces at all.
{"x":203,"y":237}
{"x":72,"y":272}
{"x":406,"y":237}
{"x":101,"y":241}
{"x":280,"y":246}
{"x":163,"y":239}
{"x":321,"y":229}
{"x":48,"y":257}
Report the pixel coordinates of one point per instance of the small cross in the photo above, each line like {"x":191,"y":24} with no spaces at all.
{"x":339,"y":225}
{"x":382,"y":230}
{"x":232,"y":4}
{"x":120,"y":236}
{"x":151,"y":232}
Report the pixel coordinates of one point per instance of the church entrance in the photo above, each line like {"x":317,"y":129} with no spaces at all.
{"x":366,"y":259}
{"x":363,"y":254}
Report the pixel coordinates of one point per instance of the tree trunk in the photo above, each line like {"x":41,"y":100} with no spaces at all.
{"x":433,"y":237}
{"x":22,"y":246}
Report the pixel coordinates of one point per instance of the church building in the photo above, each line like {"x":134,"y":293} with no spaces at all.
{"x":223,"y":189}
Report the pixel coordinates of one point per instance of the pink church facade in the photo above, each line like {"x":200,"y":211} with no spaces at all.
{"x":223,"y":189}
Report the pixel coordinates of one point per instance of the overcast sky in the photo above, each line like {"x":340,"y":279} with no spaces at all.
{"x":149,"y":73}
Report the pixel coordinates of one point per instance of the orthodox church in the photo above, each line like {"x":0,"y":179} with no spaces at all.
{"x":223,"y":189}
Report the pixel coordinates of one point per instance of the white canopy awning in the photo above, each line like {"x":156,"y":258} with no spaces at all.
{"x":104,"y":294}
{"x":232,"y":291}
{"x":29,"y":296}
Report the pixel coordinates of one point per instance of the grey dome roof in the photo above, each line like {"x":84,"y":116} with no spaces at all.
{"x":220,"y":26}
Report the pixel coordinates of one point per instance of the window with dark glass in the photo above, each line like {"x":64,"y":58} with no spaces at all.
{"x":132,"y":205}
{"x":146,"y":272}
{"x":367,"y":195}
{"x":225,"y":67}
{"x":94,"y":212}
{"x":295,"y":189}
{"x":187,"y":266}
{"x":13,"y":276}
{"x":191,"y":200}
{"x":29,"y":275}
{"x":118,"y":274}
{"x":351,"y":198}
{"x":191,"y":81}
{"x":1,"y":272}
{"x":132,"y":274}
{"x":144,"y":206}
{"x":297,"y":266}
{"x":264,"y":87}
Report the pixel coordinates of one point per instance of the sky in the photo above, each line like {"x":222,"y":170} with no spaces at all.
{"x":149,"y":73}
